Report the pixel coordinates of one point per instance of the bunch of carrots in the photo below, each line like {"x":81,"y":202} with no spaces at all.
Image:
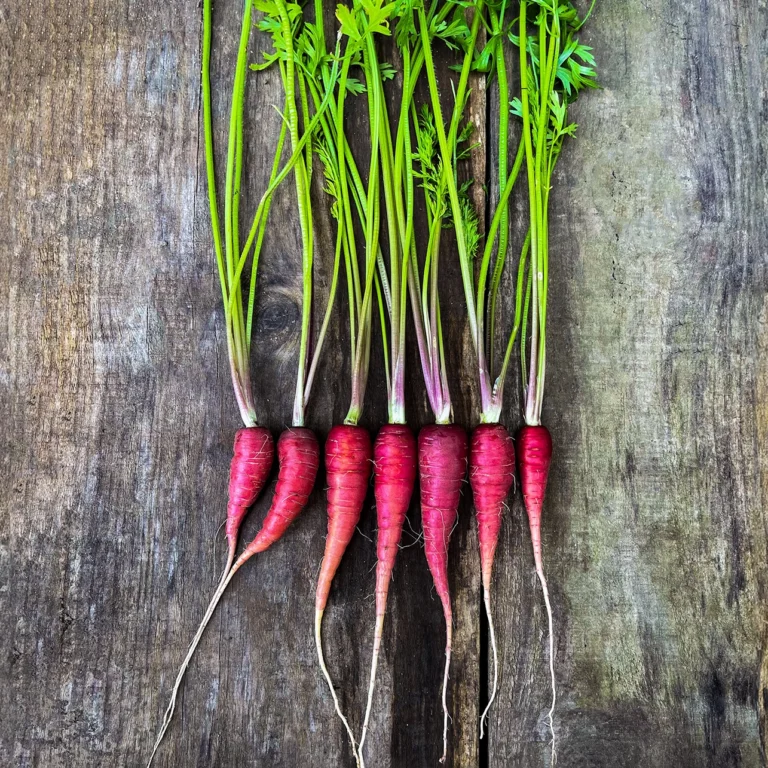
{"x":417,"y":153}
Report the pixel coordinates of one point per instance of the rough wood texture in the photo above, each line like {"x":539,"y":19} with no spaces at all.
{"x":118,"y":419}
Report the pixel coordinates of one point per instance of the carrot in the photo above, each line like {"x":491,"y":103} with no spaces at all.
{"x":491,"y":475}
{"x":252,"y":458}
{"x":394,"y":475}
{"x":299,"y":456}
{"x":534,"y":456}
{"x":547,"y":50}
{"x":348,"y":470}
{"x":442,"y":468}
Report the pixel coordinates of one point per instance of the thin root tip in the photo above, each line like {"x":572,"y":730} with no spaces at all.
{"x":326,"y":675}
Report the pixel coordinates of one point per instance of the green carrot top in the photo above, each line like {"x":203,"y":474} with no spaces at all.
{"x":555,"y":68}
{"x":231,"y":257}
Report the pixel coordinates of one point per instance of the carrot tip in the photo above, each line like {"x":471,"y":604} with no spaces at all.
{"x":326,"y":674}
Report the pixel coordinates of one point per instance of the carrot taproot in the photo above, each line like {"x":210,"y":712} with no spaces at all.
{"x":394,"y":475}
{"x":443,"y":454}
{"x":299,"y":457}
{"x":348,"y":469}
{"x":491,"y":476}
{"x":534,"y":456}
{"x":252,"y":458}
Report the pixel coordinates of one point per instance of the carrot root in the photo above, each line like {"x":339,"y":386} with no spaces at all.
{"x":444,"y":696}
{"x":443,"y":453}
{"x":327,"y":676}
{"x":492,"y":635}
{"x":252,"y":458}
{"x":171,"y":708}
{"x":491,"y":475}
{"x":534,"y":457}
{"x":394,"y":475}
{"x":298,"y":455}
{"x":348,"y":470}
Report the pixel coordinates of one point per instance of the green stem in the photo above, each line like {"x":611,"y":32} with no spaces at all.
{"x":357,"y":195}
{"x":501,"y":259}
{"x":230,"y":186}
{"x":209,"y":161}
{"x":545,"y":185}
{"x":498,"y":386}
{"x":263,"y":206}
{"x":501,"y":252}
{"x":393,"y":207}
{"x":491,"y":410}
{"x":305,"y":117}
{"x":383,"y":321}
{"x":401,"y":229}
{"x":532,"y":200}
{"x":346,"y":209}
{"x":360,"y":367}
{"x":305,"y":211}
{"x":236,"y":345}
{"x":524,"y":324}
{"x":319,"y":23}
{"x":447,"y":160}
{"x":340,"y":241}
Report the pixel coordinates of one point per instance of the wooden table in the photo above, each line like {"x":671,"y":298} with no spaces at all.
{"x":117,"y":421}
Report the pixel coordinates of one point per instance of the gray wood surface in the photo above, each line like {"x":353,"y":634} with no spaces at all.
{"x":117,"y":421}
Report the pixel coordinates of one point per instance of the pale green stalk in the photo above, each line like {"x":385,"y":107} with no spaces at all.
{"x":304,"y":207}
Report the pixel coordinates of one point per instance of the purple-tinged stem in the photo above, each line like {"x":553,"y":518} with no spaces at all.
{"x":242,"y":387}
{"x":431,"y":383}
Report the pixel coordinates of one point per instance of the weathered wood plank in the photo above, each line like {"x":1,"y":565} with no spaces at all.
{"x":103,"y":429}
{"x":123,"y":419}
{"x":655,"y":535}
{"x":119,"y":417}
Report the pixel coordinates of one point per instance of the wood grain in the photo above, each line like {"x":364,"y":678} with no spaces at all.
{"x":655,"y":531}
{"x":118,"y":419}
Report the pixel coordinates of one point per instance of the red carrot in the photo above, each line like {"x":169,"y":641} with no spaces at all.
{"x":554,"y":26}
{"x":298,"y":450}
{"x":394,"y":475}
{"x":348,"y":470}
{"x":491,"y":475}
{"x":534,"y":456}
{"x":299,"y":456}
{"x":442,"y":468}
{"x":252,"y":458}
